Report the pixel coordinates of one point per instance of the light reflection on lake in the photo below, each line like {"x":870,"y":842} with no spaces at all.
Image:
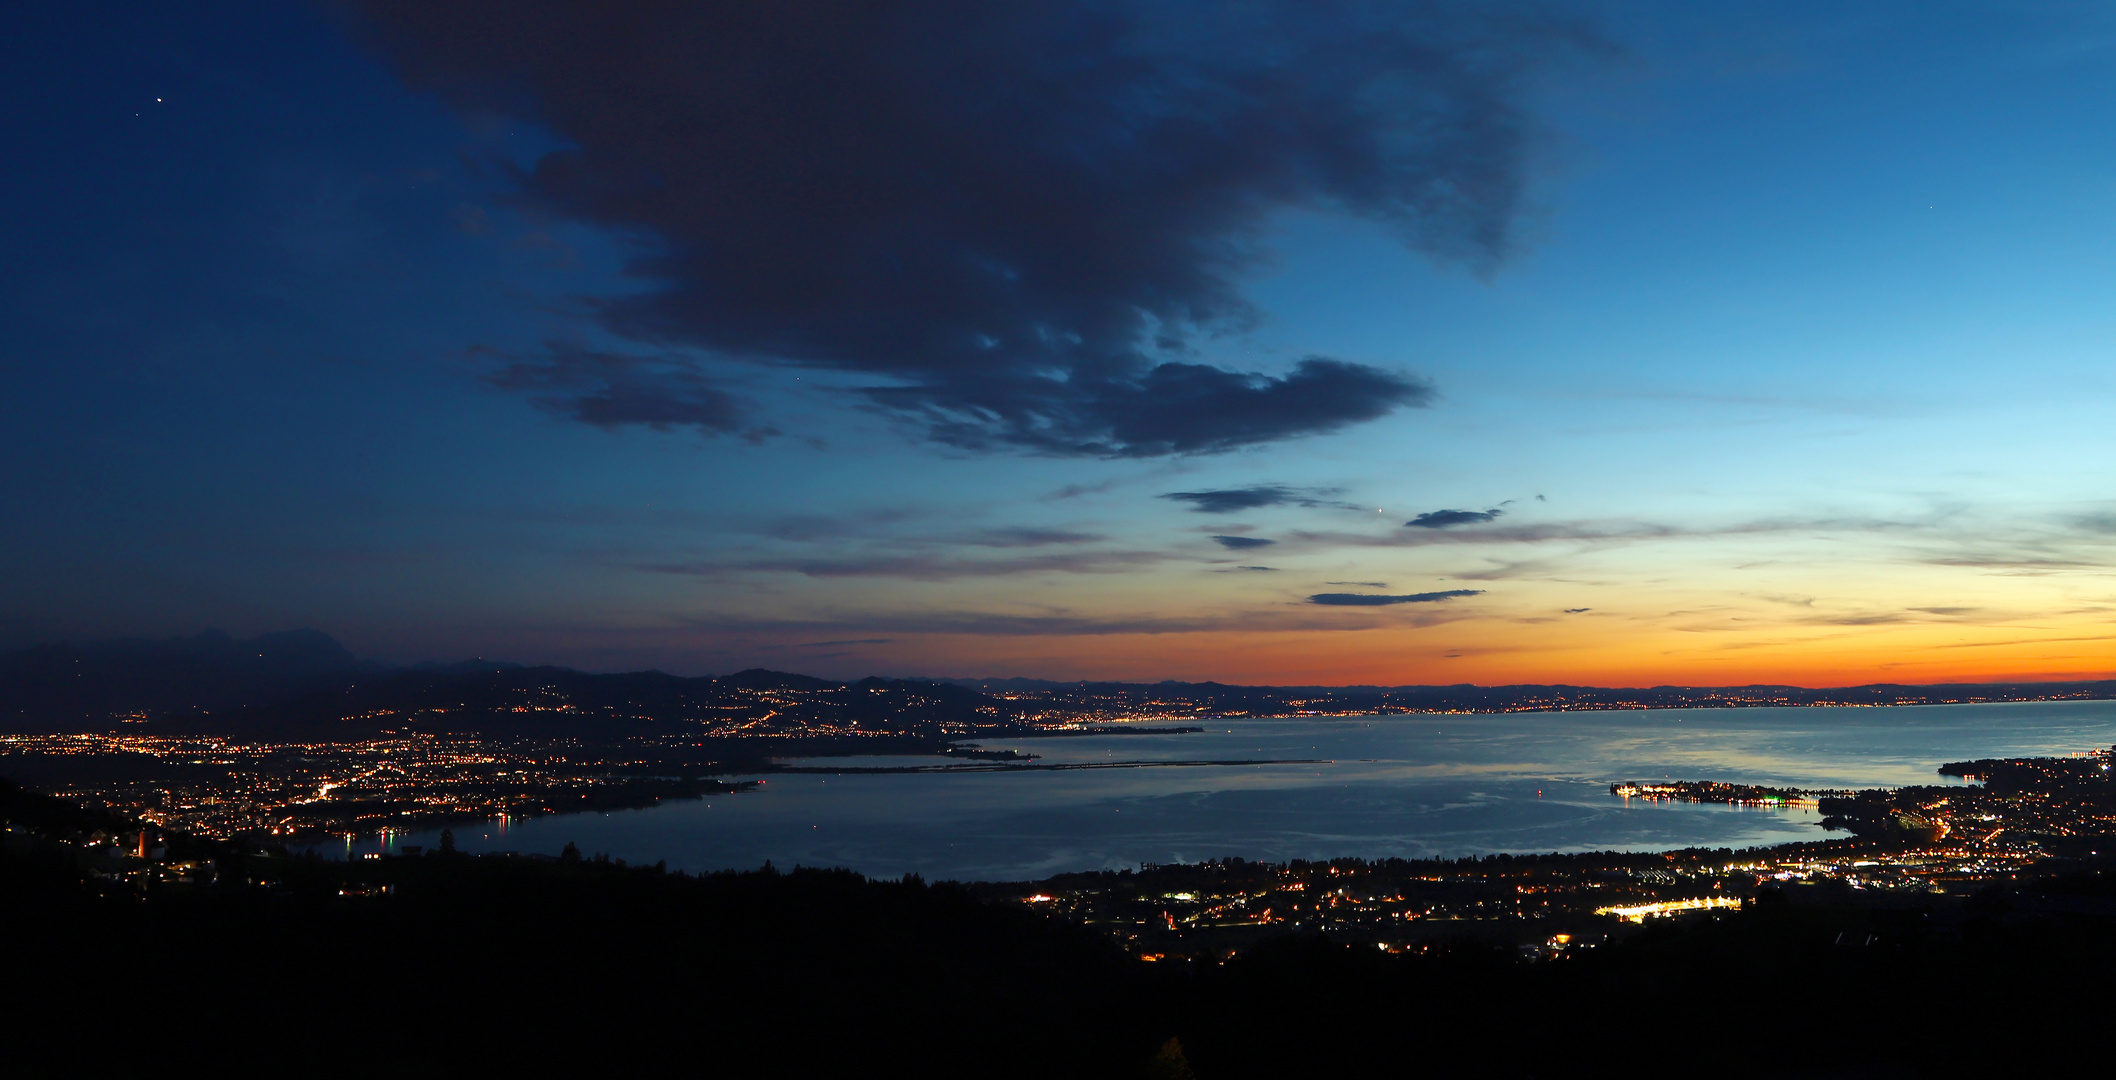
{"x":1405,"y":786}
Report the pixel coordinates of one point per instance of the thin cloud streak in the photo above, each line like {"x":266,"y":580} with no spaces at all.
{"x":1234,"y":500}
{"x":1061,"y":624}
{"x":1379,"y":600}
{"x":917,"y":567}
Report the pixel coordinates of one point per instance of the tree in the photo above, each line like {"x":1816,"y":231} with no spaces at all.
{"x":1170,"y":1063}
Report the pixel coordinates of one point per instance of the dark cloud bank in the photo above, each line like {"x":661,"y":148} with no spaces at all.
{"x":1009,"y":219}
{"x":1237,"y":543}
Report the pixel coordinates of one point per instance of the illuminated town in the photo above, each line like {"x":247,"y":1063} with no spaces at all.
{"x":2027,"y":817}
{"x":222,"y":788}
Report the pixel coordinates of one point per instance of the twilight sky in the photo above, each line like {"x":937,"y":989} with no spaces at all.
{"x":1284,"y":342}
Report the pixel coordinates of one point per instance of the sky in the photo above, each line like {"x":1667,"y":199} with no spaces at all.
{"x":1273,"y":342}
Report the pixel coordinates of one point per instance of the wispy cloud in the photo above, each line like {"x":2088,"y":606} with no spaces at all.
{"x":1603,"y":531}
{"x":1339,"y":599}
{"x":917,"y":567}
{"x":1279,"y":619}
{"x":1074,"y":491}
{"x":1233,"y":500}
{"x":1022,"y":536}
{"x":1447,"y":519}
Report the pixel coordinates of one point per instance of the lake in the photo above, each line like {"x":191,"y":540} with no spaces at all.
{"x":1404,"y":786}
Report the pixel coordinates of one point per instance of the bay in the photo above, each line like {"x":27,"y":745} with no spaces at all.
{"x":1409,"y":786}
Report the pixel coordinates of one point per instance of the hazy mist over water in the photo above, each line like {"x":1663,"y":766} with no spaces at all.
{"x":1391,"y":786}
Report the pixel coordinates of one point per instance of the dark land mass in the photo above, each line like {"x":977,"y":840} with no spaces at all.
{"x":1220,"y":699}
{"x":445,"y":963}
{"x":547,"y":702}
{"x":212,"y":686}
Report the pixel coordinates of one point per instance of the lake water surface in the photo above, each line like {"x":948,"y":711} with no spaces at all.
{"x":1408,"y":786}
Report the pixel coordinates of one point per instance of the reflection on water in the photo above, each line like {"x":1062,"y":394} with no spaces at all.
{"x":1404,"y":786}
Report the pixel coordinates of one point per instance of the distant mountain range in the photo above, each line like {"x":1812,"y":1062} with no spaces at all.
{"x":303,"y":684}
{"x":58,"y":687}
{"x":304,"y":680}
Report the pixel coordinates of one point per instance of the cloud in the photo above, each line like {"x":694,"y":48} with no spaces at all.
{"x":1236,"y":543}
{"x":1441,"y":519}
{"x":849,"y":641}
{"x":1883,"y":618}
{"x":1009,"y":222}
{"x":1876,"y":618}
{"x":613,"y":389}
{"x":1074,"y":491}
{"x":918,"y":567}
{"x":1362,"y":584}
{"x":873,"y":525}
{"x":1278,"y":619}
{"x":1577,"y":610}
{"x":1612,"y":532}
{"x":1232,"y":500}
{"x":2016,"y":562}
{"x":858,"y":524}
{"x":1271,"y":569}
{"x":1345,"y":599}
{"x":1025,"y":536}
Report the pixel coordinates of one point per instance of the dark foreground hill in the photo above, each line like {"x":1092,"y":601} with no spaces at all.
{"x":457,"y":965}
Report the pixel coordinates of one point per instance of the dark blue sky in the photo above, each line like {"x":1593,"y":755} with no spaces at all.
{"x":1776,"y":337}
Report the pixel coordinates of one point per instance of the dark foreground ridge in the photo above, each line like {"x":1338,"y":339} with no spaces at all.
{"x":1867,"y":956}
